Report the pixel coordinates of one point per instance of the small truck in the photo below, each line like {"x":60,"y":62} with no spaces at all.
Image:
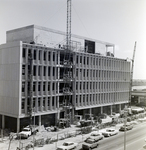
{"x":27,"y":131}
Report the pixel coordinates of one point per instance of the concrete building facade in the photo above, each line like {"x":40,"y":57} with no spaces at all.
{"x":99,"y":81}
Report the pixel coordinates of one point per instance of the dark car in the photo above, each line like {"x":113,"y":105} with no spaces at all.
{"x":126,"y":127}
{"x":89,"y":144}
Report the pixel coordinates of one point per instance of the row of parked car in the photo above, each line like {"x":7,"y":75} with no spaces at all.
{"x":92,"y":141}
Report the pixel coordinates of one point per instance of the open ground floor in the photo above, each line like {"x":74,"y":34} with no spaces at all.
{"x":16,"y":124}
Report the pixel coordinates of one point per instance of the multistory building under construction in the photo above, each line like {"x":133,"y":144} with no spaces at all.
{"x":40,"y":77}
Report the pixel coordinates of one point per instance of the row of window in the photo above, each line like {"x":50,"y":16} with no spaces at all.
{"x":48,"y":103}
{"x":40,"y":70}
{"x":94,"y":61}
{"x":102,"y":62}
{"x":102,"y":98}
{"x":40,"y":102}
{"x":96,"y":86}
{"x":101,"y":74}
{"x":116,"y":86}
{"x":39,"y":54}
{"x":39,"y":86}
{"x":80,"y":73}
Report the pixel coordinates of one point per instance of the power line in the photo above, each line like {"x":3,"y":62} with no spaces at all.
{"x":58,"y":10}
{"x":81,"y":21}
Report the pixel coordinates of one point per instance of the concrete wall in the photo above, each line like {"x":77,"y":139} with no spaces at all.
{"x":25,"y":34}
{"x":10,"y":86}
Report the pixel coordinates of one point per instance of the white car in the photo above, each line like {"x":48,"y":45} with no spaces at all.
{"x":25,"y":133}
{"x":67,"y":146}
{"x":96,"y":136}
{"x":109,"y":132}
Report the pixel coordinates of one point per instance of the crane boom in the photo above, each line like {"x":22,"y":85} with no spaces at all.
{"x":131,"y":73}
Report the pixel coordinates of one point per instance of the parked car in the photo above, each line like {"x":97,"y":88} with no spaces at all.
{"x":96,"y":136}
{"x":126,"y":127}
{"x":62,"y":123}
{"x":109,"y":132}
{"x":89,"y":144}
{"x":28,"y":131}
{"x":67,"y":146}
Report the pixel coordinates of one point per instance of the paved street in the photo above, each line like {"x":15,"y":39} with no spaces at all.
{"x":134,"y":140}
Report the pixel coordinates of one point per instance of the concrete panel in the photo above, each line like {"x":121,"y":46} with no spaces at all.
{"x":10,"y":79}
{"x":24,"y":34}
{"x":100,"y":48}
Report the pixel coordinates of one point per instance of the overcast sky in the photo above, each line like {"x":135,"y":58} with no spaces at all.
{"x":121,"y":22}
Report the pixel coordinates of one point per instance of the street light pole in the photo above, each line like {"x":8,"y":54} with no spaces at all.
{"x":34,"y":126}
{"x":125,"y":121}
{"x":125,"y":133}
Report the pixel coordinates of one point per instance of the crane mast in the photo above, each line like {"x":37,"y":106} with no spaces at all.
{"x":68,"y":69}
{"x":68,"y":31}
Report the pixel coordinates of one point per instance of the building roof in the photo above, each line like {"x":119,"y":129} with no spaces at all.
{"x":54,"y":38}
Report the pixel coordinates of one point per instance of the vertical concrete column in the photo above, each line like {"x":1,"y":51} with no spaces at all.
{"x":88,"y":99}
{"x":39,"y":121}
{"x":101,"y":110}
{"x":42,"y":72}
{"x":111,"y":109}
{"x":139,"y":99}
{"x":78,"y":99}
{"x":82,"y":100}
{"x":42,"y":55}
{"x":72,"y":115}
{"x":18,"y":125}
{"x":57,"y":116}
{"x":55,"y":103}
{"x":85,"y":83}
{"x":84,"y":113}
{"x":51,"y":103}
{"x":46,"y":90}
{"x":3,"y":121}
{"x":51,"y":57}
{"x":58,"y":110}
{"x":119,"y":107}
{"x":91,"y":97}
{"x":89,"y":65}
{"x":90,"y":111}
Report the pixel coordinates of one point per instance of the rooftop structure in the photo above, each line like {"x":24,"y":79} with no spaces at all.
{"x":56,"y":39}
